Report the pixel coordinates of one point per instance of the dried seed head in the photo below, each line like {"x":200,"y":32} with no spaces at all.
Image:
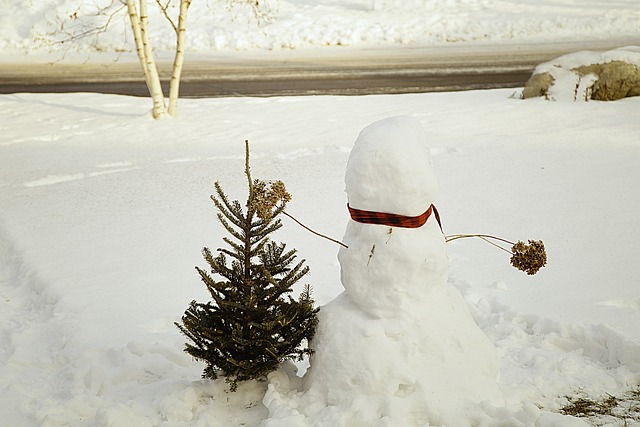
{"x":529,"y":257}
{"x":266,"y":195}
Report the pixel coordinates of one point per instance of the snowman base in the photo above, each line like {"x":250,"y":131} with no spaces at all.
{"x":370,"y":372}
{"x":431,"y":368}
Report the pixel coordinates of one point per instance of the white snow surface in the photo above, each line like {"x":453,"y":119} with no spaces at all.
{"x":38,"y":26}
{"x":104,"y":212}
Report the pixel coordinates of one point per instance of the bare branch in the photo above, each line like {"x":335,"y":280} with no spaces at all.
{"x":93,"y":31}
{"x":166,"y":14}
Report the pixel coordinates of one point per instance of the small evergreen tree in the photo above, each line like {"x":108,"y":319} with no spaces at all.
{"x":251,"y":324}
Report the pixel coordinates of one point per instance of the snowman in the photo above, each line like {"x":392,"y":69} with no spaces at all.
{"x":398,"y":346}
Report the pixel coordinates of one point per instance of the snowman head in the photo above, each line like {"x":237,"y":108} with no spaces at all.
{"x":390,"y":169}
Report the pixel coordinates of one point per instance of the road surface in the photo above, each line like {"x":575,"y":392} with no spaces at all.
{"x":332,"y":71}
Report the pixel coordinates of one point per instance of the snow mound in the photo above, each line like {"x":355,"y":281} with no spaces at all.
{"x":586,"y":75}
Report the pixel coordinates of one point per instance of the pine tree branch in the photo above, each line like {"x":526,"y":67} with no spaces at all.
{"x":262,"y":230}
{"x":218,"y":266}
{"x":229,"y":212}
{"x":234,"y":207}
{"x":217,"y":286}
{"x":257,"y":239}
{"x":288,"y":257}
{"x":238,"y":234}
{"x":296,"y":273}
{"x":240,"y":250}
{"x":231,"y":254}
{"x":212,"y":290}
{"x":208,"y":256}
{"x":258,"y":248}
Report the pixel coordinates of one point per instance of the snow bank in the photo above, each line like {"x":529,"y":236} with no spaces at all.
{"x":629,"y":54}
{"x":293,"y":24}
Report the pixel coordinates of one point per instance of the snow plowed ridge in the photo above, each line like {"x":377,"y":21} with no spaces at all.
{"x":32,"y":340}
{"x":26,"y":297}
{"x":295,"y":24}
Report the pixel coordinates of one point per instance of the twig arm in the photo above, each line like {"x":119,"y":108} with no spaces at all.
{"x":315,"y":232}
{"x":452,"y":237}
{"x":486,"y":237}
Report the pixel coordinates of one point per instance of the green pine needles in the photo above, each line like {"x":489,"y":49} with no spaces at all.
{"x":252,"y":324}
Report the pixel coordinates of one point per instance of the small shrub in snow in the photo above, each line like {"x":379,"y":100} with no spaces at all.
{"x":251,"y":325}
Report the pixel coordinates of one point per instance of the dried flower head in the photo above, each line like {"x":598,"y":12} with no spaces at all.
{"x":529,"y":257}
{"x":266,"y":196}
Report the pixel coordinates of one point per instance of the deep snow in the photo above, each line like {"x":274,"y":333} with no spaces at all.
{"x":103,"y":211}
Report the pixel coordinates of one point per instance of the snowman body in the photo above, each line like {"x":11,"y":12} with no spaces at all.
{"x":399,"y":342}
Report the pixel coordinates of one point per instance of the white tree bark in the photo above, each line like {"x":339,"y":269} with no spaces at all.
{"x":155,"y":88}
{"x":134,"y":19}
{"x":181,"y":30}
{"x":139,"y":26}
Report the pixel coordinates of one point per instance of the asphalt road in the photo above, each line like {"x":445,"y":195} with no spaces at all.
{"x":336,"y":72}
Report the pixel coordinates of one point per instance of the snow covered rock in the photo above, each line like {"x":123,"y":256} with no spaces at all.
{"x":583,"y":76}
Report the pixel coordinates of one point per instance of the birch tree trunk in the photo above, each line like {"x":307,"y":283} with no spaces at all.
{"x":159,"y":108}
{"x":134,"y":19}
{"x":139,"y":20}
{"x":181,"y":29}
{"x":139,"y":25}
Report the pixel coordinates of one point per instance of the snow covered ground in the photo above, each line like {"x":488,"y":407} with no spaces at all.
{"x":103,"y":211}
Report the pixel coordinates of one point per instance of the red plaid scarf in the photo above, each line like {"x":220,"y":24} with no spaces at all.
{"x":393,"y":220}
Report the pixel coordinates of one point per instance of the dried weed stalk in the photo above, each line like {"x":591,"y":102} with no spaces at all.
{"x":267,"y":195}
{"x":529,"y":258}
